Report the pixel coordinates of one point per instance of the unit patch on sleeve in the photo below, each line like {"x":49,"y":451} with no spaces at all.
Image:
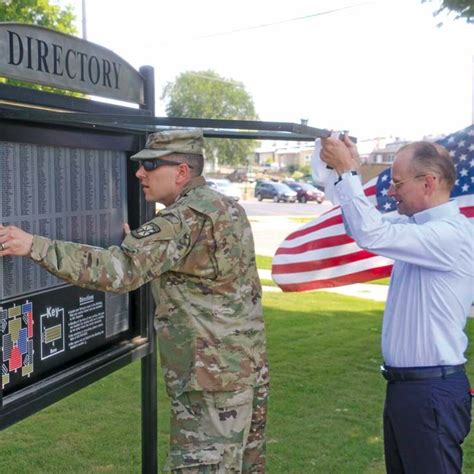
{"x":145,"y":230}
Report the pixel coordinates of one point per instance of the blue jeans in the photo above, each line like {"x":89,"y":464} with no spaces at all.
{"x":425,"y":423}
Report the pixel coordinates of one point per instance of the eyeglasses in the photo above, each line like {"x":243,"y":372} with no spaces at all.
{"x":150,"y":165}
{"x":397,"y":184}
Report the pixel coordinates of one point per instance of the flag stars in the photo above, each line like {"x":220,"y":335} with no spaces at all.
{"x":460,"y":147}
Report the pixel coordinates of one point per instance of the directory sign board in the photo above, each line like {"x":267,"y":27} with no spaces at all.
{"x":73,"y":194}
{"x":36,"y":54}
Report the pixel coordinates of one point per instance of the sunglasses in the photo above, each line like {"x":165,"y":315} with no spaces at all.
{"x":150,"y":165}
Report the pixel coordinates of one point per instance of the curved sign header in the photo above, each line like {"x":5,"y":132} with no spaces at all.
{"x":43,"y":56}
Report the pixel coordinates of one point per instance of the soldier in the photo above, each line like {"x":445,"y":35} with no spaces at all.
{"x":198,"y":253}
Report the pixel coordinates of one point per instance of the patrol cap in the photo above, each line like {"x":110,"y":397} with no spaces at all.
{"x":171,"y":141}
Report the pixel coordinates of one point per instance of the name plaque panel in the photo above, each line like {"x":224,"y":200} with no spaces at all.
{"x":63,"y":193}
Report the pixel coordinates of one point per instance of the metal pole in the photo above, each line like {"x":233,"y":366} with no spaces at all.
{"x":84,"y":20}
{"x":149,"y":402}
{"x":148,"y":74}
{"x":149,"y":362}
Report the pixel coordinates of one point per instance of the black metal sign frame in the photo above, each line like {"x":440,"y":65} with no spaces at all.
{"x":138,"y":342}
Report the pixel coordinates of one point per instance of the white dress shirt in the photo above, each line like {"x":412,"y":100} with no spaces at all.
{"x":432,"y":283}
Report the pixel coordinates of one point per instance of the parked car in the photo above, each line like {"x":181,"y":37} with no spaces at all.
{"x":306,"y":192}
{"x":225,"y":187}
{"x":276,"y":191}
{"x":240,"y":175}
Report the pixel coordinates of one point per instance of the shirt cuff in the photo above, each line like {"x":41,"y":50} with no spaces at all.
{"x":39,"y":248}
{"x":348,"y":188}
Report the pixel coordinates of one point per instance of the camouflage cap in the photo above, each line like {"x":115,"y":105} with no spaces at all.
{"x":171,"y":141}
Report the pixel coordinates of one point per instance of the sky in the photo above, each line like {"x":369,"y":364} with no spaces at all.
{"x":377,"y":68}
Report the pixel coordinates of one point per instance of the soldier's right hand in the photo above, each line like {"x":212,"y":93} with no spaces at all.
{"x":14,"y":241}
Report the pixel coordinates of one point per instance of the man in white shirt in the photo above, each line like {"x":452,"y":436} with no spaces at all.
{"x":427,"y":411}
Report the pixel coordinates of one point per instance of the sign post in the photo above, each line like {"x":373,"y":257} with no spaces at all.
{"x":149,"y":362}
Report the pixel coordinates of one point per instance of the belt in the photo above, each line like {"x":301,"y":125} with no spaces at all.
{"x":395,"y":374}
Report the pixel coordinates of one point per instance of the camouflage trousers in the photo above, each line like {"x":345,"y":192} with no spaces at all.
{"x":218,"y":432}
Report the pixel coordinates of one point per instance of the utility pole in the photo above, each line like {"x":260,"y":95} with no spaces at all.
{"x":84,"y":20}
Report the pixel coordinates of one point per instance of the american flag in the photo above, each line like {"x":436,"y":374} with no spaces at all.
{"x":322,"y":255}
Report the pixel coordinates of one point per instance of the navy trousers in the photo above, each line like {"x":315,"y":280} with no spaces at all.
{"x":425,"y":423}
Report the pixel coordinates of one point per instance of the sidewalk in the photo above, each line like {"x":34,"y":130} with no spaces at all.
{"x":270,"y":231}
{"x":367,"y":291}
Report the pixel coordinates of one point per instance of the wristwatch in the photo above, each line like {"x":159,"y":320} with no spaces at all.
{"x":345,"y":175}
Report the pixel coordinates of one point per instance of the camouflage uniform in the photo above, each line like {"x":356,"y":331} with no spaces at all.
{"x":199,"y":256}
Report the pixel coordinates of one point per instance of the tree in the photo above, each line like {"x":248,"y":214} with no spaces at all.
{"x":205,"y":94}
{"x":41,"y":13}
{"x":463,"y":8}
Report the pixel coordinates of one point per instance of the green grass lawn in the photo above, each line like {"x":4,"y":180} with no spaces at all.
{"x":382,"y":281}
{"x":264,"y":262}
{"x":266,"y":282}
{"x":302,"y":220}
{"x":325,"y":406}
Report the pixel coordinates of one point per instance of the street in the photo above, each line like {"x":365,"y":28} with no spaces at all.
{"x":269,"y":208}
{"x":272,"y":222}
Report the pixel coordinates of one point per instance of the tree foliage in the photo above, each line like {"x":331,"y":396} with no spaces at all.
{"x":463,"y":8}
{"x":41,"y":13}
{"x":205,"y":94}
